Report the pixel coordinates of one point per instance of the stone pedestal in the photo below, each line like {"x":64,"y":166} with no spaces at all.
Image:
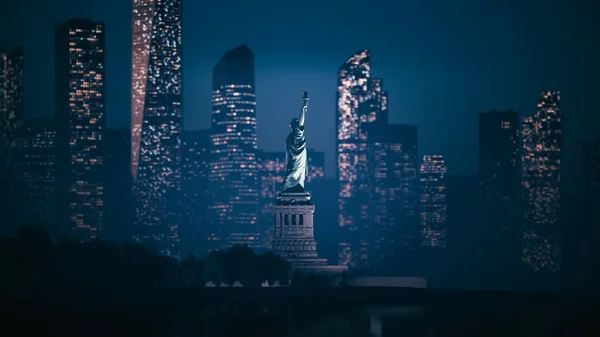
{"x":293,"y":235}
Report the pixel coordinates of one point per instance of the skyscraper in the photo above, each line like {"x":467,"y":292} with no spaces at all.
{"x":393,"y":194}
{"x":157,"y":94}
{"x":271,"y":170}
{"x":80,"y":106}
{"x":361,"y":101}
{"x":143,"y":19}
{"x":434,"y":202}
{"x":541,"y":175}
{"x":233,"y":176}
{"x":11,"y":95}
{"x":11,"y":114}
{"x":33,"y":155}
{"x":403,"y":163}
{"x":196,"y":157}
{"x":499,"y":180}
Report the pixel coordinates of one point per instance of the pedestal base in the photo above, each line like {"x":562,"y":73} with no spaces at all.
{"x":294,"y":227}
{"x":294,"y":238}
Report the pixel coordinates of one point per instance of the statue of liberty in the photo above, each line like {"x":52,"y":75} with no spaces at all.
{"x":295,"y":152}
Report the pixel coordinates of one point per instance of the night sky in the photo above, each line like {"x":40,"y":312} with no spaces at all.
{"x":442,"y":62}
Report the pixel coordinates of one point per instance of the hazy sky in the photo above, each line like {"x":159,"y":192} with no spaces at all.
{"x":442,"y":61}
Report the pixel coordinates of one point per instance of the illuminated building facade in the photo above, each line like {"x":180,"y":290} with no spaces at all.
{"x":541,"y":176}
{"x":33,"y":154}
{"x":11,"y":114}
{"x":233,"y":176}
{"x":499,"y":180}
{"x":11,"y":95}
{"x":434,"y":202}
{"x":271,"y":170}
{"x":143,"y":13}
{"x":394,"y":194}
{"x":361,"y":102}
{"x":196,"y":158}
{"x":80,"y":110}
{"x":158,"y":177}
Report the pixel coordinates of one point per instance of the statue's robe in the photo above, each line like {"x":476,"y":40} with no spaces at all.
{"x":296,"y":160}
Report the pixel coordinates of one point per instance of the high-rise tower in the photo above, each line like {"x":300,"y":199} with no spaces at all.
{"x":233,"y":175}
{"x":11,"y":115}
{"x":541,"y":175}
{"x":33,"y":156}
{"x":434,"y":203}
{"x":80,"y":111}
{"x":157,"y":95}
{"x":11,"y":95}
{"x":361,"y":102}
{"x":393,"y":195}
{"x":142,"y":22}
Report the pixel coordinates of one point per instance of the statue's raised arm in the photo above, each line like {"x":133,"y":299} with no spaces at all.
{"x":295,"y":152}
{"x":305,"y":99}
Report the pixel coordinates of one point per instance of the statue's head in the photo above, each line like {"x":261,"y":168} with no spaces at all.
{"x":294,"y":122}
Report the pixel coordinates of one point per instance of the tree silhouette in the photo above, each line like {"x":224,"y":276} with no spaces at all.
{"x":33,"y":261}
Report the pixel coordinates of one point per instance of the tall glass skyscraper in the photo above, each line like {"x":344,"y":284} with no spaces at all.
{"x":157,"y":95}
{"x":434,"y":203}
{"x":11,"y":115}
{"x":541,"y":177}
{"x":393,"y":194}
{"x":80,"y":110}
{"x":34,"y":160}
{"x":142,"y":20}
{"x":233,"y":175}
{"x":361,"y":101}
{"x":11,"y":95}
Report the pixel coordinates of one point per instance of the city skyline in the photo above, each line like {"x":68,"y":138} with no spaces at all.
{"x":438,"y":59}
{"x":461,"y":158}
{"x":376,"y":161}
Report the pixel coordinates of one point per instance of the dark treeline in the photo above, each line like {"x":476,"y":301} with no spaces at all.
{"x":33,"y":261}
